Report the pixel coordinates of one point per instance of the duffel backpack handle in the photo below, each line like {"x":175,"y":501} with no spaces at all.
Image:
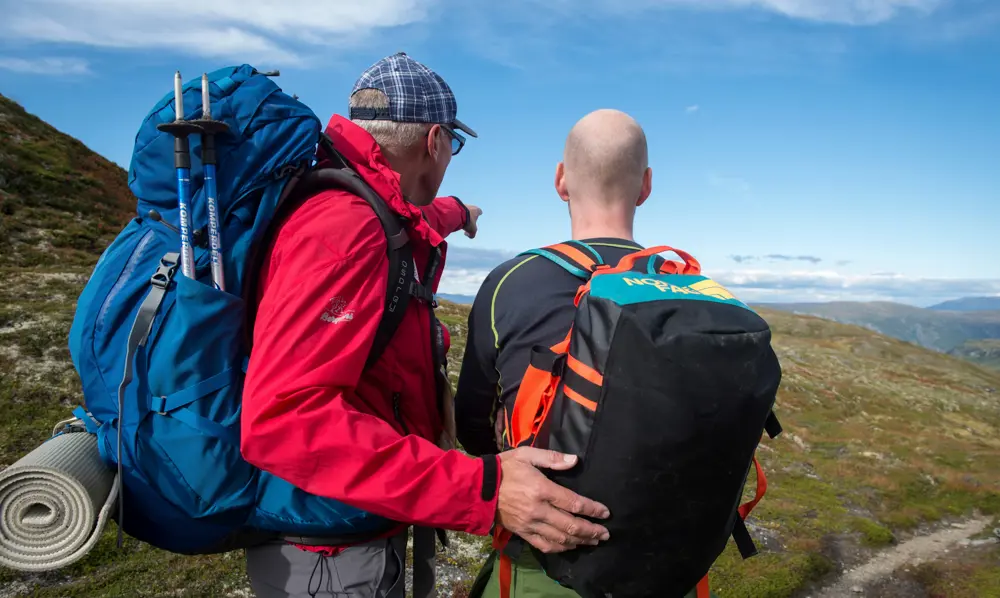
{"x":627,"y":263}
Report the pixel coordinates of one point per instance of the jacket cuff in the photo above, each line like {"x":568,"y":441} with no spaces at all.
{"x":491,"y":477}
{"x":465,"y":210}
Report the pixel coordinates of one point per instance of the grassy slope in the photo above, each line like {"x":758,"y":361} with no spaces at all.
{"x":882,"y":437}
{"x":60,"y":203}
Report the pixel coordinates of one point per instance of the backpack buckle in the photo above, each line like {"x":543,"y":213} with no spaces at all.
{"x":165,"y":271}
{"x":422,"y":293}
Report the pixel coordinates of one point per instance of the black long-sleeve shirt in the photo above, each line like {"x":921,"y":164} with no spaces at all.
{"x":525,"y":301}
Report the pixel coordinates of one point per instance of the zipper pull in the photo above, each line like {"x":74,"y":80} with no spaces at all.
{"x":154,"y":215}
{"x":198,"y":237}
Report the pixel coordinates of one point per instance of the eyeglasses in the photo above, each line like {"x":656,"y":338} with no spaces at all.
{"x":457,"y":140}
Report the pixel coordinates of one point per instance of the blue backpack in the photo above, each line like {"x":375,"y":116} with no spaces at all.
{"x":162,"y":357}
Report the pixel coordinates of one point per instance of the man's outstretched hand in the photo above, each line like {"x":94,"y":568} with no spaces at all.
{"x":472,"y":226}
{"x":540,"y":511}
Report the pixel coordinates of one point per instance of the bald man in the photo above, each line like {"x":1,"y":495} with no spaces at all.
{"x":527,"y":301}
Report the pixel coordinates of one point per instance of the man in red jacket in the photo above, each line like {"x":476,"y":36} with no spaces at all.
{"x":372,"y":438}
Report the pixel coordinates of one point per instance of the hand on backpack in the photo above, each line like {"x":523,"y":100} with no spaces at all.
{"x":471,"y":227}
{"x":541,"y":511}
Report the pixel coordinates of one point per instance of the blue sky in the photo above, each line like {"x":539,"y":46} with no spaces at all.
{"x":801,"y":149}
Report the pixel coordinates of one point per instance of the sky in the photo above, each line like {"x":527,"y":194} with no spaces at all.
{"x":802,"y":150}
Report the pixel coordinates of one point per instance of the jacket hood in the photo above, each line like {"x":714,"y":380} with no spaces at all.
{"x":363,"y":153}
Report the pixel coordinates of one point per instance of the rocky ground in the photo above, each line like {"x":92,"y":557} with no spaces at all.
{"x":890,"y":573}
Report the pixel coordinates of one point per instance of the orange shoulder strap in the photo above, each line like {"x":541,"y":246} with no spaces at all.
{"x":534,"y":396}
{"x":579,"y":259}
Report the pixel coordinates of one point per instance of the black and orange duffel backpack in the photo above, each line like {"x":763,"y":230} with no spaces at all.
{"x":663,"y":386}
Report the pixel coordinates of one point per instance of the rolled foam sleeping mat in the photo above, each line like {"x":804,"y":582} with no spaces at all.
{"x":54,"y":503}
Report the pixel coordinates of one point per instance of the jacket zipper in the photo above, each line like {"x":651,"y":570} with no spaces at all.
{"x":395,"y":411}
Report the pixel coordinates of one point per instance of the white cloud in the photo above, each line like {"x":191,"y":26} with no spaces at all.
{"x":462,"y":281}
{"x":830,"y":285}
{"x":692,"y":109}
{"x":853,"y":12}
{"x":517,"y":34}
{"x":698,"y":36}
{"x":476,"y":258}
{"x":847,"y":12}
{"x":465,"y":275}
{"x":272,"y":31}
{"x":45,"y":66}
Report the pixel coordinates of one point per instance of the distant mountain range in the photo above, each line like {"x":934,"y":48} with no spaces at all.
{"x":968,"y":327}
{"x":969,"y":304}
{"x":460,"y":299}
{"x":959,"y":327}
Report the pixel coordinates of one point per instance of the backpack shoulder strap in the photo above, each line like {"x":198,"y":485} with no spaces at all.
{"x":398,"y":289}
{"x":576,"y":257}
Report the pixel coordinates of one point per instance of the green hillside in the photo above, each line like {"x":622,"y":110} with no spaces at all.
{"x":884,"y":440}
{"x":60,"y":203}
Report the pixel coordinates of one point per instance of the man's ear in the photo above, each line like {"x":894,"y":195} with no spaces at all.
{"x":561,"y":182}
{"x":647,"y":186}
{"x":433,"y":147}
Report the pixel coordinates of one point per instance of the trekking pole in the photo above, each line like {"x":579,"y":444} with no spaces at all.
{"x":180,"y":129}
{"x":209,"y":128}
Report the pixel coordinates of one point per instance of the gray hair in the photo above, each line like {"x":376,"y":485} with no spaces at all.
{"x":393,"y":137}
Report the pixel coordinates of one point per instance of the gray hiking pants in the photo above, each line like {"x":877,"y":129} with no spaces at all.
{"x":375,"y":569}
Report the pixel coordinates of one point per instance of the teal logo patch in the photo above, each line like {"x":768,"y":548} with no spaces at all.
{"x":631,"y":287}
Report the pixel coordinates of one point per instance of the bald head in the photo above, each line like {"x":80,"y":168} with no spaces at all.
{"x":606,"y":159}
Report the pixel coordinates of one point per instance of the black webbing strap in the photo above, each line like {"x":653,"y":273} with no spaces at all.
{"x":743,"y":540}
{"x":772,"y":426}
{"x":547,"y":360}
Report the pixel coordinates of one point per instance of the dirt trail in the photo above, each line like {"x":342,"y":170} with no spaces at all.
{"x":911,"y":552}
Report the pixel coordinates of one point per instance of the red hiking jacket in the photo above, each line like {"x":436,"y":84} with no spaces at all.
{"x":310,"y":416}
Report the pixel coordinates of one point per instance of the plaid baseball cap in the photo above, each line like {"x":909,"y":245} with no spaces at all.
{"x":416,"y":94}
